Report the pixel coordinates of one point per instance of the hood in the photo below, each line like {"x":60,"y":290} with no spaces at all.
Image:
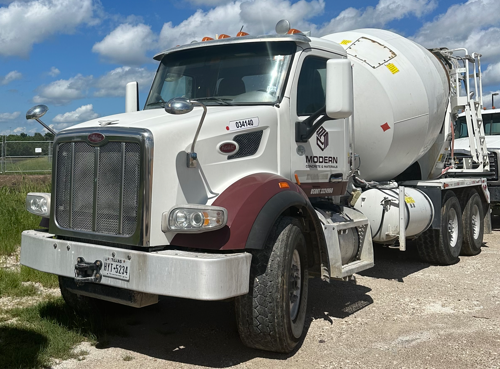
{"x":173,"y":182}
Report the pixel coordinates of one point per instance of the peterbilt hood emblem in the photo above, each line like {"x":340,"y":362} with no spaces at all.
{"x":95,"y":137}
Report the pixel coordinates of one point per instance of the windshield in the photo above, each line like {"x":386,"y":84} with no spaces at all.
{"x":234,"y":74}
{"x":491,"y":125}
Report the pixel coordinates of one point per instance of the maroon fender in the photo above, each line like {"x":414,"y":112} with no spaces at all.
{"x":243,"y":200}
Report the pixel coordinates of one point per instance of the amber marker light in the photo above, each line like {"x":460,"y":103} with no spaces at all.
{"x":293,"y":31}
{"x":206,"y":39}
{"x":241,"y":34}
{"x":284,"y":185}
{"x":223,"y":35}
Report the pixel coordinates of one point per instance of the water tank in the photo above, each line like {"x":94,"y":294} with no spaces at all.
{"x":400,"y":98}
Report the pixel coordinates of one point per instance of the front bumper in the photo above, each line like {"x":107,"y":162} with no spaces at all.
{"x":193,"y":275}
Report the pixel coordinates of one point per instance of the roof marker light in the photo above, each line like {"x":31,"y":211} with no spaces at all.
{"x":293,"y":31}
{"x":223,"y":35}
{"x":206,"y":39}
{"x":241,"y":34}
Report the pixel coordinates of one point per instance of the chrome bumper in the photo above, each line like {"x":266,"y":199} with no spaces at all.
{"x":193,"y":275}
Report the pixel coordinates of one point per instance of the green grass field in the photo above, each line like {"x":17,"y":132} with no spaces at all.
{"x":31,"y":337}
{"x":27,"y":165}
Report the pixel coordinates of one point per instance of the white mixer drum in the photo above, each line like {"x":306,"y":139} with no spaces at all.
{"x":400,"y":98}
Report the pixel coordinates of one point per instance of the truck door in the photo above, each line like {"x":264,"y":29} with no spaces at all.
{"x":320,"y":163}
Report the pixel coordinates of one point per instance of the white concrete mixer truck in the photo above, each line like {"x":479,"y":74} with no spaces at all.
{"x":256,"y":163}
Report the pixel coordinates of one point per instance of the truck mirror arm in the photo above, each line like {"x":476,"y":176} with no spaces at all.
{"x":305,"y":129}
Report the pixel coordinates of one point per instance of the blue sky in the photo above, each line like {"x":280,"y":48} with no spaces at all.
{"x":75,"y":56}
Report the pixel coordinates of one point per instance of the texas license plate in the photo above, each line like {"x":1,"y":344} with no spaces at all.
{"x":116,"y":268}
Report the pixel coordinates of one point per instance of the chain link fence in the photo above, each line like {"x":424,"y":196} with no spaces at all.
{"x":25,"y":156}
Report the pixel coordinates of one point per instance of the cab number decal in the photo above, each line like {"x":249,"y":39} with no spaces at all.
{"x":237,"y":125}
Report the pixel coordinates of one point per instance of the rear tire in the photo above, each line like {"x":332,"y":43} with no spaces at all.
{"x":271,"y":316}
{"x":473,"y":224}
{"x":443,"y":246}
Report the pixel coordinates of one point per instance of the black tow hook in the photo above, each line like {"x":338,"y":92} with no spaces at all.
{"x":87,"y":272}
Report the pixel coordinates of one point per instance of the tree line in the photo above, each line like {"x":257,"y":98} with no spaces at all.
{"x":20,"y":145}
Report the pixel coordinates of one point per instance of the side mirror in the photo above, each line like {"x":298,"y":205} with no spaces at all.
{"x":178,"y":105}
{"x":131,"y":97}
{"x":339,"y":90}
{"x":36,"y":113}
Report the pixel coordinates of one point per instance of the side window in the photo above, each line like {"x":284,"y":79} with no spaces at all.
{"x":311,"y":87}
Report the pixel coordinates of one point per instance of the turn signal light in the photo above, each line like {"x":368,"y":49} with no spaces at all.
{"x":284,"y":185}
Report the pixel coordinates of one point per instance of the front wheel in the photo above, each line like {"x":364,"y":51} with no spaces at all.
{"x":271,"y":316}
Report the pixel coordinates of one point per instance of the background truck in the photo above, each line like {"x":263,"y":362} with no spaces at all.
{"x":463,"y":158}
{"x":258,"y":162}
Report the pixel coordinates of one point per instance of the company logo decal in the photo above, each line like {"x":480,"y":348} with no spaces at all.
{"x":322,"y":138}
{"x":228,"y":147}
{"x":95,"y":137}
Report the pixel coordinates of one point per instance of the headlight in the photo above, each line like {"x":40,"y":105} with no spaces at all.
{"x":194,"y":219}
{"x":38,"y":203}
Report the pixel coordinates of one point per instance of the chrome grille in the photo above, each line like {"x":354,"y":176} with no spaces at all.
{"x":97,"y":188}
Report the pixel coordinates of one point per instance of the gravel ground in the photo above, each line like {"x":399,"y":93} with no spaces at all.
{"x":400,"y":314}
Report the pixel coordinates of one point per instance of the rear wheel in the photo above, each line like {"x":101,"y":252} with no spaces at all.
{"x":442,"y":246}
{"x":272,"y":315}
{"x":473,"y":224}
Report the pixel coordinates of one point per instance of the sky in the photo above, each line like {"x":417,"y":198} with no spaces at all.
{"x":76,"y":56}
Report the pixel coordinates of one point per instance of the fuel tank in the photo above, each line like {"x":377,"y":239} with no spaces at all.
{"x":400,"y":97}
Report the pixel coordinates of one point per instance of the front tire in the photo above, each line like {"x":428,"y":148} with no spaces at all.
{"x":271,"y":316}
{"x":443,"y":246}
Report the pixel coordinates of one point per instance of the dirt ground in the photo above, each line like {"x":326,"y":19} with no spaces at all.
{"x":401,"y":314}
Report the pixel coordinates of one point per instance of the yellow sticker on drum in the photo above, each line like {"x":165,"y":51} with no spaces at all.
{"x":392,"y":68}
{"x":345,"y":42}
{"x":409,"y":200}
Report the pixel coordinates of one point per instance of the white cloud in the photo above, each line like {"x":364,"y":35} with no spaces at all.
{"x":127,"y":44}
{"x":11,"y":76}
{"x":258,"y":17}
{"x":63,"y":91}
{"x":53,"y":72}
{"x":81,"y":114}
{"x":379,"y":16}
{"x":113,"y":83}
{"x":9,"y":116}
{"x":473,"y":25}
{"x":491,"y":76}
{"x":23,"y":24}
{"x":209,"y":2}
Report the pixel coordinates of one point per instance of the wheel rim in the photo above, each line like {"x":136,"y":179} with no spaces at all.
{"x":453,"y":227}
{"x":476,"y":222}
{"x":295,"y":285}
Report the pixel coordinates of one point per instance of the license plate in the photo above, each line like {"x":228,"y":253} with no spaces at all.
{"x":116,"y":268}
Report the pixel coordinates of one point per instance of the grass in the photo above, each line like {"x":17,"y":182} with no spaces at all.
{"x":28,"y":165}
{"x":13,"y":216}
{"x":41,"y":333}
{"x":11,"y":285}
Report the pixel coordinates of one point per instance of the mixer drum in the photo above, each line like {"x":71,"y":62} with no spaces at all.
{"x":400,"y":97}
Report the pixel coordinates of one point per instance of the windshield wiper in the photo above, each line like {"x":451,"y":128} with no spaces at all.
{"x":217,"y":99}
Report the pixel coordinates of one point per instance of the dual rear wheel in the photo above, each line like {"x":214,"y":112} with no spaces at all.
{"x":460,"y":233}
